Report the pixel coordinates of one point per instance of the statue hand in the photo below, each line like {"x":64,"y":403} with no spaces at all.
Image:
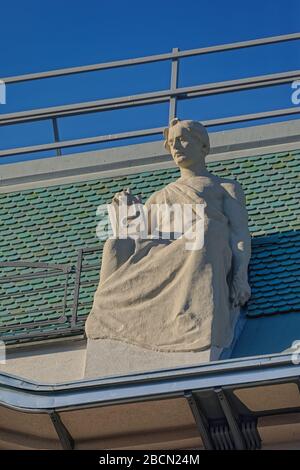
{"x":126,"y":197}
{"x":124,"y":218}
{"x":240,"y":290}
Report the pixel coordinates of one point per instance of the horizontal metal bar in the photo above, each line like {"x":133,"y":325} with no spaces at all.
{"x":63,"y":318}
{"x":36,"y":290}
{"x":59,"y":320}
{"x":260,"y":369}
{"x":79,"y":109}
{"x":151,"y":59}
{"x":149,"y":98}
{"x":80,"y":142}
{"x":251,"y":117}
{"x":240,"y":87}
{"x":27,"y":264}
{"x":89,"y":68}
{"x":91,"y":249}
{"x":22,"y":277}
{"x":42,"y":334}
{"x":146,"y":132}
{"x":24,"y":395}
{"x":89,"y":267}
{"x":40,"y":290}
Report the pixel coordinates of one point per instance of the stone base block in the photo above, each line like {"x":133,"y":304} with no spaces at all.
{"x":106,"y":357}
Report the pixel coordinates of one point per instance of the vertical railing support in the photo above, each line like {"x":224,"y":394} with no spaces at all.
{"x":77,"y":288}
{"x":56,"y":135}
{"x":174,"y":84}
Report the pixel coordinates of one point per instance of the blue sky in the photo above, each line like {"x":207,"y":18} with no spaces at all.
{"x":43,"y":35}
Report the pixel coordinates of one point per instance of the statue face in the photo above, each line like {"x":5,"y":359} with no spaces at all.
{"x":186,"y":149}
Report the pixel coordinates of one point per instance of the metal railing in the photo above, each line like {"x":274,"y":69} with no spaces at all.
{"x":37,"y":272}
{"x":67,"y":308}
{"x":171,"y":96}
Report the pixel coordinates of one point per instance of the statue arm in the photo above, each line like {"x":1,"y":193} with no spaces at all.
{"x":117,"y":250}
{"x":240,"y":240}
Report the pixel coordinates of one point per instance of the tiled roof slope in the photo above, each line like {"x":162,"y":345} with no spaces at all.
{"x":50,"y":225}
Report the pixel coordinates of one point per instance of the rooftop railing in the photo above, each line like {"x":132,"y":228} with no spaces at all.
{"x":171,"y":96}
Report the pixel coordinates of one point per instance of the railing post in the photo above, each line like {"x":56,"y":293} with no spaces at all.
{"x":174,"y":83}
{"x":56,"y":135}
{"x":77,"y":288}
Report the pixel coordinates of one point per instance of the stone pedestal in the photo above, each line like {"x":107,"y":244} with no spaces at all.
{"x":109,"y":357}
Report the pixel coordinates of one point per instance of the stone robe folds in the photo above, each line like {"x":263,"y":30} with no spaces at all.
{"x":160,"y":296}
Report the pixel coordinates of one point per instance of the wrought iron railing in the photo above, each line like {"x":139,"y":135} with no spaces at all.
{"x":23,"y":274}
{"x":68,"y":313}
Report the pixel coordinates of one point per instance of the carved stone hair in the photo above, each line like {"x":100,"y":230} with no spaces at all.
{"x":194,"y":127}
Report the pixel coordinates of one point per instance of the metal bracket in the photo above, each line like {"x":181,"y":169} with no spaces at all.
{"x":64,"y":436}
{"x":233,"y":424}
{"x":200,"y":420}
{"x":250,"y":433}
{"x":221,"y":436}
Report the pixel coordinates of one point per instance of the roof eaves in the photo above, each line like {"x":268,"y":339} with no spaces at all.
{"x":21,"y":394}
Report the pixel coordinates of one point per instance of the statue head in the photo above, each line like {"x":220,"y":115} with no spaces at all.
{"x":187,"y":142}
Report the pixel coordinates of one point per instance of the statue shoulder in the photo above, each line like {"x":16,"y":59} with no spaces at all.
{"x":155,"y":197}
{"x":233,"y":189}
{"x":159,"y":195}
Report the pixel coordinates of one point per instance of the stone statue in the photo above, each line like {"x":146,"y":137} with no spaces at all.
{"x":155,"y":292}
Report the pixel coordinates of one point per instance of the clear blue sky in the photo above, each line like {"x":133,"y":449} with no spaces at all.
{"x":43,"y":35}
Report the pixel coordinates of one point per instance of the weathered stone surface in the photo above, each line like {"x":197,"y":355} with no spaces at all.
{"x":109,"y":357}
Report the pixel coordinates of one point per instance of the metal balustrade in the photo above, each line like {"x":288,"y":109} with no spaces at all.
{"x":68,"y":317}
{"x":171,"y":96}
